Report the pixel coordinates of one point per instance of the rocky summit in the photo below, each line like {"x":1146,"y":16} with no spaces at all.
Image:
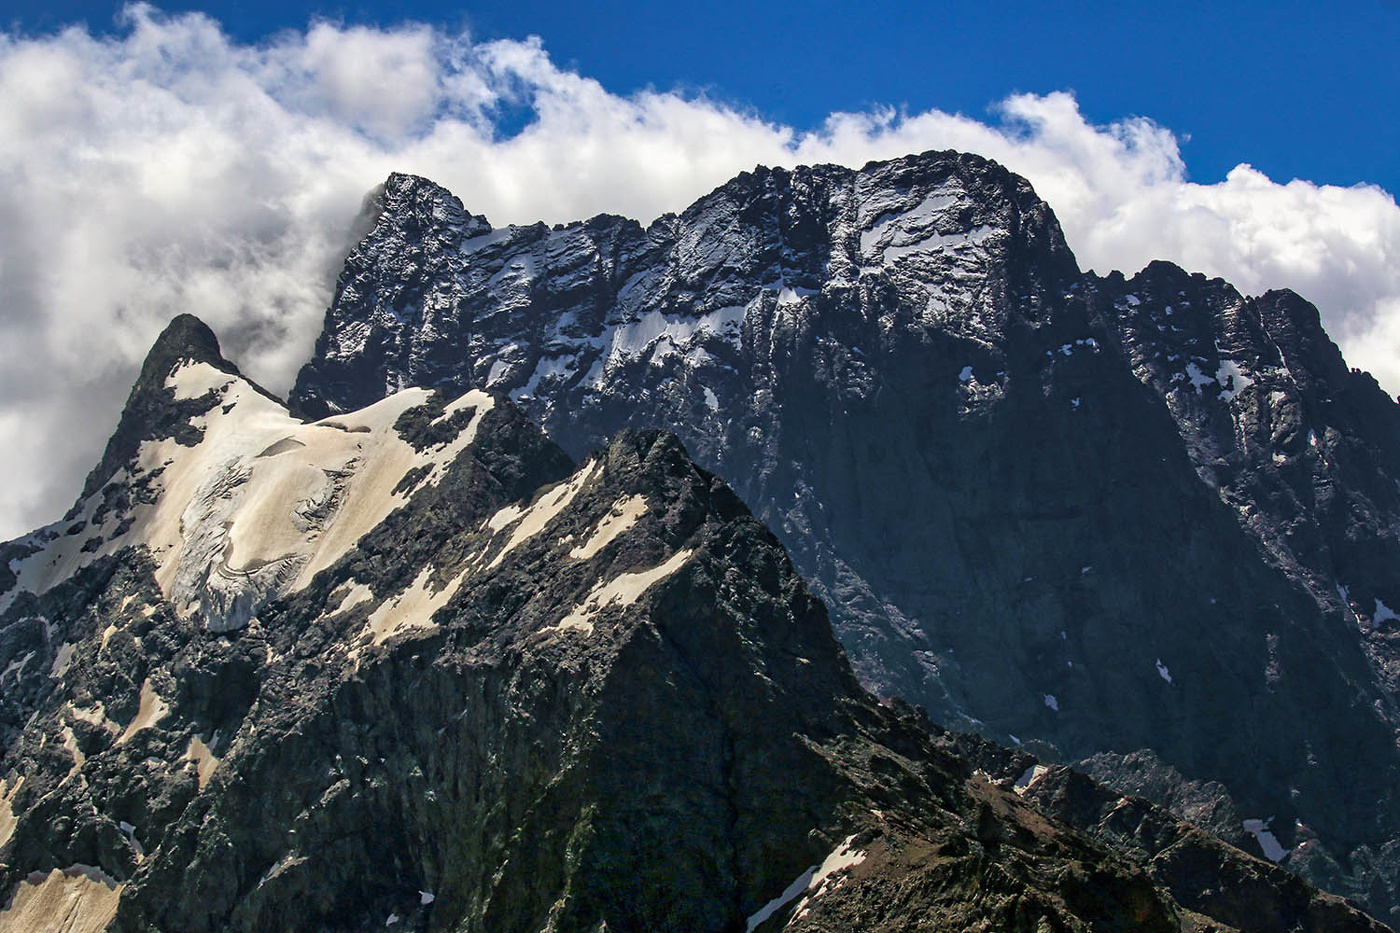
{"x":462,"y":638}
{"x":1147,"y":524}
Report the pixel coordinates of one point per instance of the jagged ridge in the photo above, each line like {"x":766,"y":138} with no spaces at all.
{"x":536,"y":695}
{"x":1027,"y":509}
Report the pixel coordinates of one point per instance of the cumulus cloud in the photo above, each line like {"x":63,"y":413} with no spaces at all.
{"x":171,"y":169}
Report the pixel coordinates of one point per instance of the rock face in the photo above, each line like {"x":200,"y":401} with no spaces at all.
{"x":1120,"y":518}
{"x":507,"y":691}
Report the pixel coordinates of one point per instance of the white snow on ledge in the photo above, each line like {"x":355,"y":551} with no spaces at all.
{"x":624,"y":514}
{"x":1028,"y":777}
{"x":622,"y":590}
{"x":1273,"y":849}
{"x":1163,"y":672}
{"x":1197,"y":377}
{"x":535,"y":517}
{"x":790,"y":893}
{"x":1229,"y":371}
{"x":811,"y":884}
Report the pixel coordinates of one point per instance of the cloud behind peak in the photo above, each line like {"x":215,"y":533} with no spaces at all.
{"x":171,"y":169}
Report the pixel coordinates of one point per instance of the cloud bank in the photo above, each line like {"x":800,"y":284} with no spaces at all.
{"x":171,"y":169}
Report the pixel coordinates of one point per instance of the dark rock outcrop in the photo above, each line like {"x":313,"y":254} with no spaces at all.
{"x":535,"y":695}
{"x":1100,"y":515}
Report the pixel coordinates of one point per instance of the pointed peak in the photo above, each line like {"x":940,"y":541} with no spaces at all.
{"x":152,"y":409}
{"x":422,"y":198}
{"x":400,"y":184}
{"x":186,"y":339}
{"x":185,"y":331}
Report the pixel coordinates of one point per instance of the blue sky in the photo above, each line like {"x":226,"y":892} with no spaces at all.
{"x":1298,"y":89}
{"x":212,"y":158}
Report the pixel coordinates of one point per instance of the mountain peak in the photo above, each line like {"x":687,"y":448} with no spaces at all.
{"x":410,"y":196}
{"x":413,"y":662}
{"x":869,"y":355}
{"x":187,"y":338}
{"x":152,"y":409}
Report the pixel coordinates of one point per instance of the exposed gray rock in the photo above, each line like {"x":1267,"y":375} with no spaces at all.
{"x":536,"y":695}
{"x":1036,"y":508}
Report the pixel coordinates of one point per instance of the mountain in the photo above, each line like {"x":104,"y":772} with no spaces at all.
{"x":412,"y":667}
{"x":1147,"y":524}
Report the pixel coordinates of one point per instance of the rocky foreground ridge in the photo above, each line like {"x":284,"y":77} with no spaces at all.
{"x":1147,"y":524}
{"x":411,"y":667}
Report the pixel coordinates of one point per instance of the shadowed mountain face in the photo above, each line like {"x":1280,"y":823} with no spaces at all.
{"x":1146,"y":523}
{"x":411,"y":667}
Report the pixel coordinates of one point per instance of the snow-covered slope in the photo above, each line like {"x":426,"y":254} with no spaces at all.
{"x":257,"y":507}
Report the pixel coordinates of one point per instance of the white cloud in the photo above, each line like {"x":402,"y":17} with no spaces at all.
{"x":171,"y":169}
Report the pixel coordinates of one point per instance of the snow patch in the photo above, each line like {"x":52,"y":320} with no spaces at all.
{"x":81,"y":898}
{"x":1028,"y":777}
{"x":205,"y":761}
{"x":129,"y":831}
{"x":498,"y":372}
{"x":8,"y":817}
{"x":1068,"y":349}
{"x":843,"y":858}
{"x":790,"y":893}
{"x":17,"y":665}
{"x":531,"y":520}
{"x":901,"y":247}
{"x":1163,"y":672}
{"x":355,"y":593}
{"x":414,"y":607}
{"x":260,"y":505}
{"x":94,"y":716}
{"x":623,"y":515}
{"x":557,"y":367}
{"x":1232,"y":380}
{"x":622,"y":590}
{"x":62,"y":659}
{"x":788,"y":296}
{"x":151,"y":710}
{"x":811,"y":884}
{"x":484,"y":240}
{"x":1259,"y":829}
{"x":1198,"y":378}
{"x":70,"y":743}
{"x":660,"y":335}
{"x":192,"y":380}
{"x":1344,"y":593}
{"x":1051,"y":702}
